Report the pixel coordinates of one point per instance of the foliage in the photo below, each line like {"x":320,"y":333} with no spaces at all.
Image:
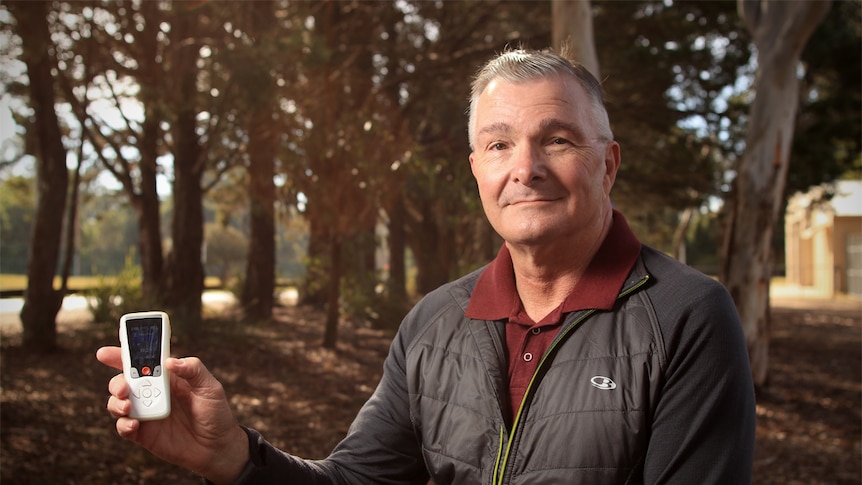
{"x":372,"y":305}
{"x":113,"y":297}
{"x":292,"y":247}
{"x":106,"y":231}
{"x":668,"y":70}
{"x":827,"y":145}
{"x":17,"y":207}
{"x":361,"y":106}
{"x":703,"y":241}
{"x":234,"y":285}
{"x":225,"y":252}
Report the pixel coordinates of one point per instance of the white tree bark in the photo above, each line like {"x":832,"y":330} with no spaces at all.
{"x":573,"y":28}
{"x":780,"y":30}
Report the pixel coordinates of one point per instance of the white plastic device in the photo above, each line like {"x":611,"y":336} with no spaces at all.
{"x":145,"y":340}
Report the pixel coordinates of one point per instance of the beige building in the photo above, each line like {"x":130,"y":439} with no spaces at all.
{"x":823,"y":239}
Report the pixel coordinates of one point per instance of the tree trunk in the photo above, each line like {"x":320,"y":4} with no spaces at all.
{"x":360,"y":255}
{"x":71,"y":224}
{"x":431,"y":272}
{"x":780,"y":30}
{"x":149,"y":237}
{"x":397,"y":281}
{"x":41,"y":301}
{"x":573,"y":27}
{"x":146,"y":203}
{"x":184,"y":267}
{"x":330,"y":337}
{"x":314,"y":286}
{"x":257,"y":294}
{"x":679,"y":234}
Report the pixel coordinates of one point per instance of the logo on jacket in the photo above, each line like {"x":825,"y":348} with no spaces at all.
{"x":603,"y":383}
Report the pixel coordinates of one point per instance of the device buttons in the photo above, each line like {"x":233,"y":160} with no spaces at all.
{"x":145,"y":371}
{"x":146,"y":393}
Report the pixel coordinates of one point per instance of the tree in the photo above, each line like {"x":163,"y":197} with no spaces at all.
{"x":445,"y":228}
{"x":41,"y":300}
{"x":107,"y":233}
{"x":780,"y":31}
{"x":101,"y":60}
{"x":573,"y":27}
{"x":17,"y":207}
{"x":672,"y":117}
{"x":826,"y":142}
{"x":226,"y":248}
{"x":145,"y":200}
{"x":184,"y":271}
{"x":257,"y":293}
{"x":340,"y":213}
{"x":145,"y":56}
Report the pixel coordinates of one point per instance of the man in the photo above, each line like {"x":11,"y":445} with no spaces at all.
{"x":577,"y":356}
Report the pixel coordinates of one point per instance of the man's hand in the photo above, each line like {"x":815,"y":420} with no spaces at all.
{"x":200,"y":434}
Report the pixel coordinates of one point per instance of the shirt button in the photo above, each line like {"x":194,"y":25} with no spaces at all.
{"x":528,"y":357}
{"x":536,"y":331}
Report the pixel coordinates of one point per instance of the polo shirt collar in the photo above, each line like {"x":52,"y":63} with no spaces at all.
{"x":598,"y":288}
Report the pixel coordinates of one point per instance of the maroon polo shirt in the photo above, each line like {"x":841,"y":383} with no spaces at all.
{"x":495,"y":298}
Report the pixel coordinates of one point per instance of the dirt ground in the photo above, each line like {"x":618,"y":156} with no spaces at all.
{"x":54,"y":429}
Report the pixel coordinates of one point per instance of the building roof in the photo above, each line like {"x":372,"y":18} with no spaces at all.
{"x":848,"y":198}
{"x":846,"y":201}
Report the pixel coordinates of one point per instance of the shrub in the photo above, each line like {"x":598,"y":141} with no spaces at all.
{"x":115,"y":296}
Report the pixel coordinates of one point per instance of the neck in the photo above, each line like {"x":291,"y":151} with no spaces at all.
{"x":546,"y":275}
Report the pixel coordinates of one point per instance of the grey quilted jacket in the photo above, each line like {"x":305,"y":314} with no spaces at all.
{"x":658,"y":390}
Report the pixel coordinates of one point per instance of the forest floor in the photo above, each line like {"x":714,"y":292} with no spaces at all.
{"x":54,"y":427}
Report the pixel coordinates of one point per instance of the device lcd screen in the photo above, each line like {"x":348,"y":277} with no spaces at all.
{"x":145,"y":346}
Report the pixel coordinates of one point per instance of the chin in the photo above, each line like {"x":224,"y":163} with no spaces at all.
{"x":528,"y":236}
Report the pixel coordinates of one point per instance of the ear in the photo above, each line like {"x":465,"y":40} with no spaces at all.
{"x":472,"y":158}
{"x":612,"y":164}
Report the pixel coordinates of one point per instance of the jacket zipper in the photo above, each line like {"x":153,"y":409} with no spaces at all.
{"x":503,"y":454}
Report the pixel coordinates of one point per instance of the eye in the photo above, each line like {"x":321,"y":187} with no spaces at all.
{"x":559,"y":141}
{"x":497,"y":146}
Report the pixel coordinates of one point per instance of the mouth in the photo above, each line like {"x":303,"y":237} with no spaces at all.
{"x":530,"y":201}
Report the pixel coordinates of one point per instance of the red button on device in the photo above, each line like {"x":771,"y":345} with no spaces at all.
{"x":145,"y":371}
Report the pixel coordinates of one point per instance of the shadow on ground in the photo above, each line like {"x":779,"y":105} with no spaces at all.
{"x":53,"y":427}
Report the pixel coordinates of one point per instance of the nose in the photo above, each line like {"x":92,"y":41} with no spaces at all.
{"x":529,"y":165}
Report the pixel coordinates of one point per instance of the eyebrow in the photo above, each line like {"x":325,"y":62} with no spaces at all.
{"x":548,"y":124}
{"x":553,"y":124}
{"x":498,"y":127}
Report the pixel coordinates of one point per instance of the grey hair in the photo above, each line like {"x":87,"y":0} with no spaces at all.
{"x":520,"y":65}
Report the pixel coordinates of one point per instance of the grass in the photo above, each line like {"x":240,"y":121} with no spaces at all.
{"x":18,"y":282}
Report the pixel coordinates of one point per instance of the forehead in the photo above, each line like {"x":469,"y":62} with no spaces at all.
{"x":531,"y":104}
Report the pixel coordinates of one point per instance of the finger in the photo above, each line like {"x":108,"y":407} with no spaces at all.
{"x":118,"y":386}
{"x":128,"y":428}
{"x":118,"y":408}
{"x":110,"y":356}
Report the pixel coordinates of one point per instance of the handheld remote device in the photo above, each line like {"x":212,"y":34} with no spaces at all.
{"x":145,"y":340}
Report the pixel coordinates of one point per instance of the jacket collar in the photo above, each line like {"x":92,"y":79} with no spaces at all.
{"x":494,"y":294}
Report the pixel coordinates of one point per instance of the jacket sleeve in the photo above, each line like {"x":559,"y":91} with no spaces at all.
{"x":381,"y":445}
{"x":704,"y":423}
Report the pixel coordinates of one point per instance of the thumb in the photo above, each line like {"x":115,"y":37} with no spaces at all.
{"x":193,"y":371}
{"x":110,"y":356}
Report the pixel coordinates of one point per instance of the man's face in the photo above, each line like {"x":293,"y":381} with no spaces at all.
{"x":543,"y":170}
